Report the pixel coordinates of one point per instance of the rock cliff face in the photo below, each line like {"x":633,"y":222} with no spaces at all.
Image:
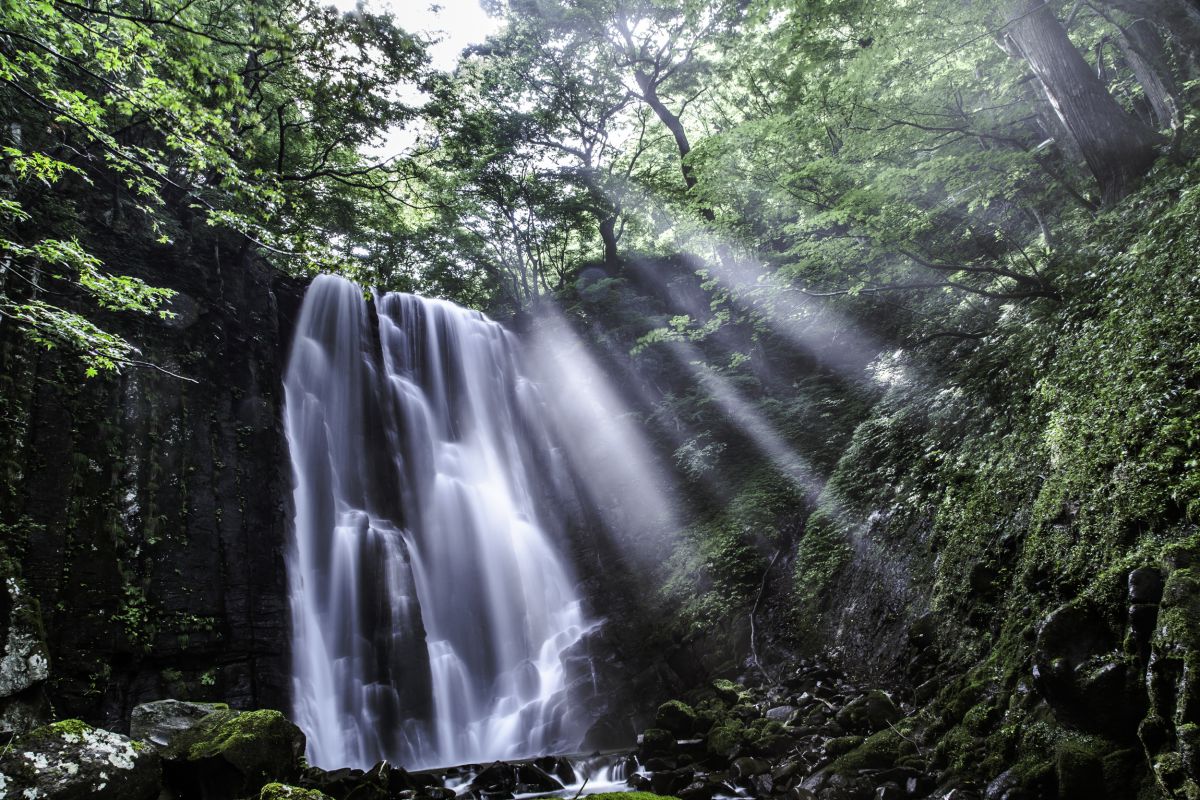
{"x":144,"y":514}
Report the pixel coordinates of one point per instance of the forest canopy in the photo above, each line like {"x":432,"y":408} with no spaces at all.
{"x":933,"y":155}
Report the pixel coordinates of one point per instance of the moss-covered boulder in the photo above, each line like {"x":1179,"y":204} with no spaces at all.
{"x":727,"y":691}
{"x":725,"y":738}
{"x":677,"y":717}
{"x":657,"y":741}
{"x":282,"y":791}
{"x":70,"y":759}
{"x":233,"y":754}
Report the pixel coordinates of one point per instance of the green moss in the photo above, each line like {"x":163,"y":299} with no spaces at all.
{"x":262,"y":745}
{"x":878,"y":751}
{"x":71,"y":727}
{"x":631,"y":796}
{"x":281,"y":791}
{"x":658,"y":740}
{"x":728,"y":551}
{"x":727,"y":691}
{"x":223,"y":731}
{"x":726,"y":737}
{"x":677,"y":717}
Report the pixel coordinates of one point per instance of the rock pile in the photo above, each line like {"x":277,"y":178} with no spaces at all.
{"x":813,"y":735}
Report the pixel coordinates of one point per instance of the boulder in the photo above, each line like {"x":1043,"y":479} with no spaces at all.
{"x":505,"y":778}
{"x":1087,"y":681}
{"x":158,"y":722}
{"x":671,"y":782}
{"x":71,"y":760}
{"x":890,"y":791}
{"x":233,"y":754}
{"x":657,"y":741}
{"x":727,"y":691}
{"x":703,"y":789}
{"x":559,"y":767}
{"x":1145,"y":586}
{"x":869,"y":713}
{"x":677,"y":717}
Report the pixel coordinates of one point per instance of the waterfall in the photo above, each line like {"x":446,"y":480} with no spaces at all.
{"x":431,"y":606}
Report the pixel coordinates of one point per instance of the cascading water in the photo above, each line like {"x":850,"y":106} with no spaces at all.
{"x":430,"y":605}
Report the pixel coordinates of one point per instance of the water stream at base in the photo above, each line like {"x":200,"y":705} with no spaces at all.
{"x":431,"y":605}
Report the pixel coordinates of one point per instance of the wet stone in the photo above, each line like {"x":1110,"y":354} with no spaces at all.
{"x":781,"y":713}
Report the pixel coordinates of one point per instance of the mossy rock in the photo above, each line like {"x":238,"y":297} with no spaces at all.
{"x":631,"y":796}
{"x":727,"y":691}
{"x":159,"y":722}
{"x":71,"y":760}
{"x":677,"y":717}
{"x":282,"y":791}
{"x":879,"y":751}
{"x":725,"y":738}
{"x":657,"y":741}
{"x":1086,"y":768}
{"x":766,"y":737}
{"x":872,"y":712}
{"x":235,"y":754}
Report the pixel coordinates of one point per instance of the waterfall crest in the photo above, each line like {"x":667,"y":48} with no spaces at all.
{"x":431,"y":606}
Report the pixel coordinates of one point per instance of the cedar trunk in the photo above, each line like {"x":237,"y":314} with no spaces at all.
{"x":1117,"y":147}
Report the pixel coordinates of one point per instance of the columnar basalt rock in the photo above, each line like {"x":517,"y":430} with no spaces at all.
{"x":148,"y":521}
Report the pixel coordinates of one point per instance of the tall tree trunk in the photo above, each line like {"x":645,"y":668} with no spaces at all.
{"x":607,"y":211}
{"x":1143,"y":50}
{"x":1177,"y":20}
{"x":608,"y":235}
{"x":1117,"y":147}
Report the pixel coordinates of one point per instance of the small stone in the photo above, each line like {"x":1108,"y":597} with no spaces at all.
{"x":781,"y":713}
{"x":763,"y":784}
{"x":282,"y":791}
{"x":746,"y":767}
{"x":889,"y":791}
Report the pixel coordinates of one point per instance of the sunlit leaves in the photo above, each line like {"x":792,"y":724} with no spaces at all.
{"x":250,"y":116}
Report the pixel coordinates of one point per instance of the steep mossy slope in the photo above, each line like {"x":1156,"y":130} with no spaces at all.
{"x":1009,"y":533}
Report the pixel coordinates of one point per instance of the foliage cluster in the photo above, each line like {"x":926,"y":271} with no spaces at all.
{"x":146,"y":119}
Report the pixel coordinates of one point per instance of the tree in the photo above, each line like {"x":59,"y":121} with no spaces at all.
{"x":149,"y":117}
{"x":1117,"y":147}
